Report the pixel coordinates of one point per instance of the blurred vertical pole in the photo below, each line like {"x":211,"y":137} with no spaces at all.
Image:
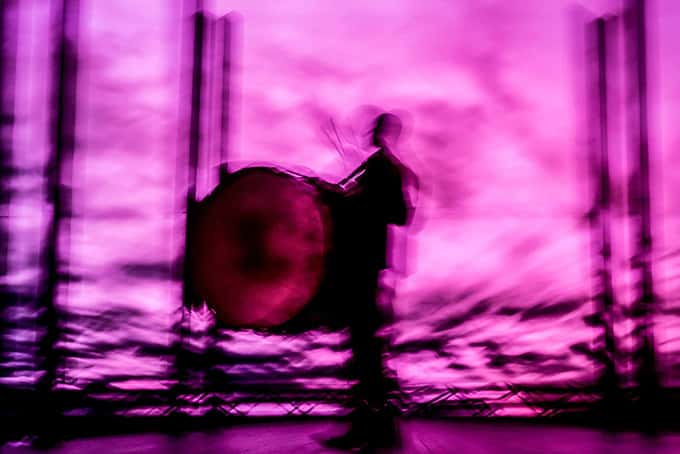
{"x":598,"y":34}
{"x":226,"y":26}
{"x":181,"y":366}
{"x":8,"y":49}
{"x":196,"y":93}
{"x":58,"y":186}
{"x":644,"y":358}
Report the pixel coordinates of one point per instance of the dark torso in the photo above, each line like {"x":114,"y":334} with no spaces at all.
{"x":379,"y":201}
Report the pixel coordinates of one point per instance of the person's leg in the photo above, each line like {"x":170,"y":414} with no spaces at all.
{"x":366,"y":363}
{"x":371,"y":418}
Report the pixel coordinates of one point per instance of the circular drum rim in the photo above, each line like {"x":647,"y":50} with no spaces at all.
{"x":203,"y":224}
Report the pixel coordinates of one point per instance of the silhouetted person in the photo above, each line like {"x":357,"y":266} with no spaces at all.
{"x":374,"y":202}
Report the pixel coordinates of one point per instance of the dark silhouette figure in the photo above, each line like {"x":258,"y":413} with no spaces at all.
{"x":376,"y":200}
{"x":354,"y":256}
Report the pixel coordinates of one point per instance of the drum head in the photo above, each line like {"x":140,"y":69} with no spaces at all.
{"x":257,"y":248}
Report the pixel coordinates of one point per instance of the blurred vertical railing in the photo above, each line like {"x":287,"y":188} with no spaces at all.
{"x":599,"y":34}
{"x":644,"y":304}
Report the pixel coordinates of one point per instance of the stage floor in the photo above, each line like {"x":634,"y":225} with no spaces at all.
{"x":420,"y":436}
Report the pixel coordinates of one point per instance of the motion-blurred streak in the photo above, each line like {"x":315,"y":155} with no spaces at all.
{"x":600,"y":36}
{"x":58,"y":174}
{"x":645,"y":304}
{"x":8,"y":33}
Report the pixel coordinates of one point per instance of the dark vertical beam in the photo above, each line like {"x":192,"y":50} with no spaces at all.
{"x":599,"y":41}
{"x":58,"y":186}
{"x":58,"y":172}
{"x":597,"y":34}
{"x":605,"y":207}
{"x":181,"y":366}
{"x":8,"y":49}
{"x":644,"y":361}
{"x":196,"y":94}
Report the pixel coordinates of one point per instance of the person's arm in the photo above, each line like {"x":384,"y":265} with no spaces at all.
{"x":395,"y":198}
{"x":353,"y":174}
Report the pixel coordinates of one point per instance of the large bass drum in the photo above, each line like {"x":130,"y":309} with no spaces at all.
{"x":260,"y":251}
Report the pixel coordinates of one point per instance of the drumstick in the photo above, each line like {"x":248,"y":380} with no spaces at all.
{"x":337,"y":136}
{"x":353,"y":174}
{"x":340,"y":151}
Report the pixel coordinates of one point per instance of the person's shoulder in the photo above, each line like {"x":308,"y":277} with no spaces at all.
{"x":389,"y":159}
{"x":375,"y":158}
{"x":382,"y":155}
{"x":383,"y":160}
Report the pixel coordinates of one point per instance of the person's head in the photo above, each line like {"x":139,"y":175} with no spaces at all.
{"x":386,"y":130}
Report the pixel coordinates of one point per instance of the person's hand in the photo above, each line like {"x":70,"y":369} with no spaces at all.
{"x":326,"y":186}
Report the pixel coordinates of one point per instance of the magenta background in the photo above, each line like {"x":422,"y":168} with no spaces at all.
{"x":498,"y":277}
